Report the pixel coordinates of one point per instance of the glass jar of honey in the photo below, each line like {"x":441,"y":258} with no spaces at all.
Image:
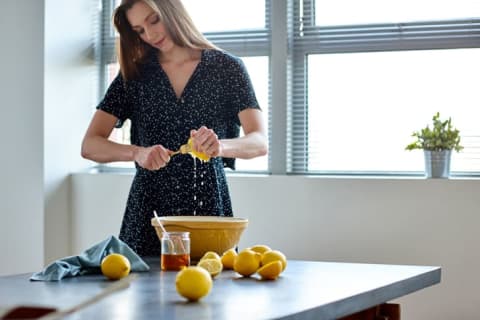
{"x":175,"y":254}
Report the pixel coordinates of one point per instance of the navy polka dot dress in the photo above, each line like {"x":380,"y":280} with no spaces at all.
{"x":217,"y":91}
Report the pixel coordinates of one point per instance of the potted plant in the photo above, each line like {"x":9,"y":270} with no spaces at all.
{"x":437,"y":143}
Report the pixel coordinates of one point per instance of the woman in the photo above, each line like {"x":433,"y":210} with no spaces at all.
{"x":173,"y":85}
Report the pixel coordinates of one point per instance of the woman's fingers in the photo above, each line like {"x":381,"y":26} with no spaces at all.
{"x":206,"y":141}
{"x":161,"y":156}
{"x":155,"y":162}
{"x":213,"y":150}
{"x":154,"y":158}
{"x":164,"y":155}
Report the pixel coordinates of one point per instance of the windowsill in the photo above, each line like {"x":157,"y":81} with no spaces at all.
{"x":109,"y":170}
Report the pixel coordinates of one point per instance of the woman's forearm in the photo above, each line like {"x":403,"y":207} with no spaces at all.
{"x":103,"y":150}
{"x":248,"y":146}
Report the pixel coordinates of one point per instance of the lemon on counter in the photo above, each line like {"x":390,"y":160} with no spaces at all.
{"x":210,"y":255}
{"x":212,"y":265}
{"x":260,"y":248}
{"x":193,"y":282}
{"x":271,"y":270}
{"x":228,"y":258}
{"x":274,"y":255}
{"x":115,"y":266}
{"x":247,"y":262}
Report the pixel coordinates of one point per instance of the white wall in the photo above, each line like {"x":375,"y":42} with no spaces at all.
{"x":399,"y":221}
{"x":47,"y":92}
{"x":21,"y":92}
{"x":70,"y":91}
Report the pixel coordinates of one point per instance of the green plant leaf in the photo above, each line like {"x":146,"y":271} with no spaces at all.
{"x":442,"y":136}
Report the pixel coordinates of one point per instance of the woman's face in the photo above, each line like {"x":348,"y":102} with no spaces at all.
{"x":146,"y":23}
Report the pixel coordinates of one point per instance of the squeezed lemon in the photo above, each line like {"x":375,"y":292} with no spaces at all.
{"x":212,"y":265}
{"x":188,"y":148}
{"x":210,"y":255}
{"x":196,"y":154}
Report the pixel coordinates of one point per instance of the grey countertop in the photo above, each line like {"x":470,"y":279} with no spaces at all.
{"x":305,"y":290}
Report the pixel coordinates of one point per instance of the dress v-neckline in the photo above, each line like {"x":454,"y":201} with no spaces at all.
{"x":190,"y":78}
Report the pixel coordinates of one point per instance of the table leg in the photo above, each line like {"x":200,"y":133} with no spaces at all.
{"x":384,"y":311}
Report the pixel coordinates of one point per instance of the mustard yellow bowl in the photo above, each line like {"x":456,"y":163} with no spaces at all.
{"x":207,"y":233}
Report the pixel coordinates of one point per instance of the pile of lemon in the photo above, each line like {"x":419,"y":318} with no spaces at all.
{"x":195,"y":282}
{"x":261,"y":259}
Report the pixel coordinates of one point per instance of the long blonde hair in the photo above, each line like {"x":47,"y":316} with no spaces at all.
{"x":132,"y":50}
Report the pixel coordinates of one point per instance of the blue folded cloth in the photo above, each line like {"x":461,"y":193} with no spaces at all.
{"x":89,"y":261}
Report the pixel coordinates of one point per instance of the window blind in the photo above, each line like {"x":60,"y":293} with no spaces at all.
{"x":309,"y":38}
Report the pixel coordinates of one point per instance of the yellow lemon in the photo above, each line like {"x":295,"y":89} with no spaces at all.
{"x":211,"y":255}
{"x":271,"y":270}
{"x":260,"y":248}
{"x":228,"y":258}
{"x":213,"y":266}
{"x":193,"y":282}
{"x":115,"y":266}
{"x":274,"y":255}
{"x":247,"y":262}
{"x":200,"y":155}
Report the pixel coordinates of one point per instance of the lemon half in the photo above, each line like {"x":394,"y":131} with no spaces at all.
{"x":274,"y":255}
{"x":271,"y":270}
{"x":210,"y":255}
{"x":213,"y":266}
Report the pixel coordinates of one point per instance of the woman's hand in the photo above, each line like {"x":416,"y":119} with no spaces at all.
{"x":253,"y":143}
{"x":152,"y":158}
{"x":206,"y":140}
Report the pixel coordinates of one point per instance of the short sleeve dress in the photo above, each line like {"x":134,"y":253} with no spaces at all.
{"x":217,"y":91}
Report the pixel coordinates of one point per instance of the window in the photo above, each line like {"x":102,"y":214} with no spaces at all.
{"x":367,"y":74}
{"x":248,"y":39}
{"x":384,"y":103}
